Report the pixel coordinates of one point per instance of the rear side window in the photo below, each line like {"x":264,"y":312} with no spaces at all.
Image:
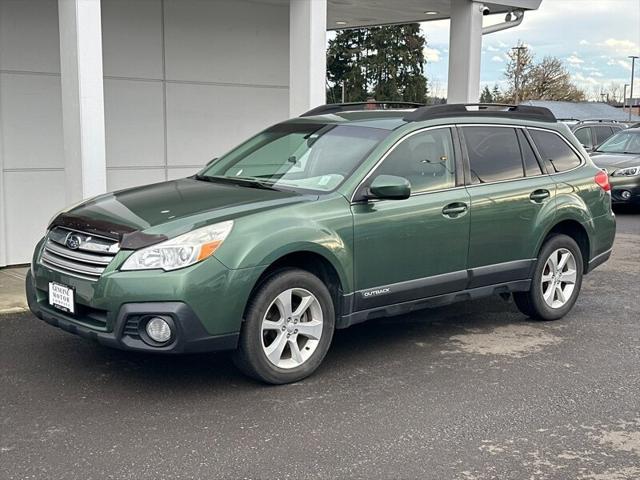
{"x":556,"y":153}
{"x":531,"y":165}
{"x":494,"y":154}
{"x":602,"y":133}
{"x":584,"y":136}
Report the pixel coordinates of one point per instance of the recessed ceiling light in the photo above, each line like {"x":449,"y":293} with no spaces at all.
{"x":341,"y":22}
{"x":431,"y":12}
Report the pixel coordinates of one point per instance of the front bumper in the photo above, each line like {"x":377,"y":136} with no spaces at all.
{"x":625,"y":184}
{"x":206,"y":302}
{"x":125,"y":329}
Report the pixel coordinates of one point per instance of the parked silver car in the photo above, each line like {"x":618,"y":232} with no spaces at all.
{"x":592,"y":133}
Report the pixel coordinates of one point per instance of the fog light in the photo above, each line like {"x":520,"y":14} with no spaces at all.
{"x":158,"y":330}
{"x":626,"y":194}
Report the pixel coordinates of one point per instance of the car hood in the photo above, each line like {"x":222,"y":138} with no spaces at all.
{"x":614,"y":161}
{"x":142,"y":216}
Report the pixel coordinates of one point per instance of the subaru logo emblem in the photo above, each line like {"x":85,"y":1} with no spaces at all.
{"x":73,"y":242}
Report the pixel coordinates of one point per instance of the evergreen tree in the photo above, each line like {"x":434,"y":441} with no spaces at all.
{"x":496,"y":94}
{"x":386,"y":63}
{"x":485,"y":96}
{"x":346,"y":64}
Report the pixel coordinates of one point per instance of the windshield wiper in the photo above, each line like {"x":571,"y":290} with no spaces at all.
{"x":241,"y":181}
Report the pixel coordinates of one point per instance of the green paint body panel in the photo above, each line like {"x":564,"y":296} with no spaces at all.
{"x":368,"y":244}
{"x":398,"y":241}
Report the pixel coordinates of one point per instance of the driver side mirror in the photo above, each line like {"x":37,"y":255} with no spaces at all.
{"x":389,"y":187}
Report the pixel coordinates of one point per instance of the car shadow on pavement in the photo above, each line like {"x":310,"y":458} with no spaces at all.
{"x":373,"y":343}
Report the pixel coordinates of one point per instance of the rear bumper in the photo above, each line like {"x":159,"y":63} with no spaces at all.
{"x":126,"y":327}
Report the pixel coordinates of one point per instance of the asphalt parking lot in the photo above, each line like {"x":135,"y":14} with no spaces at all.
{"x":470,"y":391}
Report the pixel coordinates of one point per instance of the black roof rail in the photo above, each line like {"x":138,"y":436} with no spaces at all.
{"x":522,"y":112}
{"x":356,"y":106}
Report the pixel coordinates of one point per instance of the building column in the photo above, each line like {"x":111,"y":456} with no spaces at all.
{"x":465,"y":49}
{"x":307,"y":55}
{"x":82,"y":98}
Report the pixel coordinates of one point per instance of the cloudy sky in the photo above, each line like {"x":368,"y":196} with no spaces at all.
{"x":593,"y":38}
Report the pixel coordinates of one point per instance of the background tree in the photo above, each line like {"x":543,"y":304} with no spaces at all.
{"x":386,"y":63}
{"x":496,"y":95}
{"x":550,"y":80}
{"x":611,"y":94}
{"x":545,"y":80}
{"x":347,"y":56}
{"x":518,"y":72}
{"x":486,"y":96}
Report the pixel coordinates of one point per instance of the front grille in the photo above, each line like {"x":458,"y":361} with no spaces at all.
{"x":79,"y":254}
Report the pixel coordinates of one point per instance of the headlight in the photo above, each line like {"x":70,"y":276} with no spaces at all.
{"x":627,"y":172}
{"x":181,"y":251}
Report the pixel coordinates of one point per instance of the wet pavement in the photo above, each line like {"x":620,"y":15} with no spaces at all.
{"x":470,"y":391}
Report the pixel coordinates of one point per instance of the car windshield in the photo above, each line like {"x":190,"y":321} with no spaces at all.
{"x":315,"y":157}
{"x":623,"y":142}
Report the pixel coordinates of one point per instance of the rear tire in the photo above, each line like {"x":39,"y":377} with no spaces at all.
{"x":288,"y":327}
{"x":556,"y":281}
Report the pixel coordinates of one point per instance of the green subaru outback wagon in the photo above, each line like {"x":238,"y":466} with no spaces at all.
{"x":327,"y":220}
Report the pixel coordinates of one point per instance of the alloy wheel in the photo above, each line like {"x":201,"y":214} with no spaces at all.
{"x":559,"y":278}
{"x":292,"y":328}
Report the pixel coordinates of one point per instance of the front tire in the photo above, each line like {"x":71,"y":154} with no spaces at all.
{"x":288,"y":327}
{"x":556,"y":280}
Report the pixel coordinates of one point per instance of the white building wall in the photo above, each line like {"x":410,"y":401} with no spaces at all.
{"x":32,"y":181}
{"x":185,"y":80}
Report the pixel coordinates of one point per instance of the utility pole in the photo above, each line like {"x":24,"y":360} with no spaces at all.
{"x":633,"y":67}
{"x":516,"y":80}
{"x":624,"y":97}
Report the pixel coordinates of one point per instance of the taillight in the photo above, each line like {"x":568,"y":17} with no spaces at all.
{"x":602,"y":179}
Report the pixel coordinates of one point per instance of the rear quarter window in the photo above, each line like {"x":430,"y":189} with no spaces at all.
{"x":584,"y":136}
{"x":555,"y":151}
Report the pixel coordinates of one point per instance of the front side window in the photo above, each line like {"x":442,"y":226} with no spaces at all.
{"x":555,"y":152}
{"x":494,"y":154}
{"x":584,"y":136}
{"x":623,"y":142}
{"x":317,"y":157}
{"x":426,"y":159}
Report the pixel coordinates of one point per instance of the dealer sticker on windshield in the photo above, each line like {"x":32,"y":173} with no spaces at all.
{"x":61,"y":297}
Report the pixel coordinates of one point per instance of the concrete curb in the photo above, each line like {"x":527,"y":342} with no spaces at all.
{"x":10,"y":310}
{"x":12,"y":294}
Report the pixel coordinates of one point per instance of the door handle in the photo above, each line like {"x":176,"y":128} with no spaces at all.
{"x":539,"y":195}
{"x":454,"y":209}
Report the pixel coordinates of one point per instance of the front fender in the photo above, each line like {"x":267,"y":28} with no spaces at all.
{"x":323,"y":227}
{"x":337,"y":256}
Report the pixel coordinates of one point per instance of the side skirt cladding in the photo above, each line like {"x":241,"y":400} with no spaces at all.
{"x":404,"y":297}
